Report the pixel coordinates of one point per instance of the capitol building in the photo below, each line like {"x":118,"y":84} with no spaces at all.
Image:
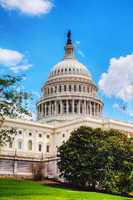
{"x":69,"y":100}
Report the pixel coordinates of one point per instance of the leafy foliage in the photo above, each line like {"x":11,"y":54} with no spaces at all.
{"x":13,"y":103}
{"x":97,"y":159}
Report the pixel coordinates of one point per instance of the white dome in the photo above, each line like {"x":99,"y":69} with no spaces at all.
{"x":69,"y":66}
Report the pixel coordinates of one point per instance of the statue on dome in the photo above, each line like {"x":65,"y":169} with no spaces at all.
{"x":69,"y":37}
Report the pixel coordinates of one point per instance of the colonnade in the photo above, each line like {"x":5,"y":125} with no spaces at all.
{"x":61,"y":107}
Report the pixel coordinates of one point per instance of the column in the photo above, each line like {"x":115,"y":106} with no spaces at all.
{"x":94,"y":109}
{"x":79,"y":107}
{"x":73,"y":107}
{"x":90,"y":109}
{"x":49,"y":108}
{"x":55,"y":107}
{"x":44,"y":106}
{"x":43,"y":110}
{"x":84,"y":107}
{"x":87,"y":107}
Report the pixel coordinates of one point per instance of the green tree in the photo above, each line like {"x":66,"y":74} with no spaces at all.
{"x":97,"y":159}
{"x":13,"y":103}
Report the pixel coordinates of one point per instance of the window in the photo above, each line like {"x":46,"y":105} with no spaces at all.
{"x":30,"y":145}
{"x":79,"y":88}
{"x":70,"y":88}
{"x":74,"y":88}
{"x":63,"y":135}
{"x":20,"y":132}
{"x":30,"y":134}
{"x":40,"y":147}
{"x":47,"y":136}
{"x":65,"y":88}
{"x":19,"y":145}
{"x":60,"y":88}
{"x":64,"y":106}
{"x":70,"y":106}
{"x":40,"y":135}
{"x":10,"y":145}
{"x":59,"y":108}
{"x":47,"y":148}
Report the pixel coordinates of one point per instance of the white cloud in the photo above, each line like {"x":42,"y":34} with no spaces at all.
{"x":118,"y":80}
{"x":10,"y":57}
{"x":21,"y":68}
{"x":81,"y":53}
{"x":77,"y":47}
{"x":77,"y":42}
{"x":14,"y":60}
{"x":29,"y":7}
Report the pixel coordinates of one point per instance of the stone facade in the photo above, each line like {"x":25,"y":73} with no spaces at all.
{"x":69,"y":100}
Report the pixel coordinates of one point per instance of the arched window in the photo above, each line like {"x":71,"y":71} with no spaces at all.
{"x":47,"y":136}
{"x":70,"y":88}
{"x":60,"y":88}
{"x":30,"y":145}
{"x":10,"y":144}
{"x":47,"y":148}
{"x":40,"y":147}
{"x":74,"y":88}
{"x":79,"y":88}
{"x":59,"y":109}
{"x":65,"y":88}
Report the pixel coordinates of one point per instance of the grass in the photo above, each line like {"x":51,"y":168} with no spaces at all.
{"x":29,"y":190}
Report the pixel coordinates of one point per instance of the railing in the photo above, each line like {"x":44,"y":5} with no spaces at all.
{"x":13,"y":153}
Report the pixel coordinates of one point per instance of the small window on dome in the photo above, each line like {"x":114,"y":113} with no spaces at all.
{"x":60,"y":88}
{"x":65,"y":88}
{"x":20,"y":132}
{"x":47,"y":136}
{"x":79,"y":88}
{"x":70,"y":88}
{"x":69,"y":69}
{"x":74,"y":88}
{"x":61,"y":70}
{"x":65,"y":69}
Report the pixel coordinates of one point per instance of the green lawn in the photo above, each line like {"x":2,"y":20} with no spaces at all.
{"x":29,"y":190}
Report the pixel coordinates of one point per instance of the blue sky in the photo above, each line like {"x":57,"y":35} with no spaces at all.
{"x":104,"y":29}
